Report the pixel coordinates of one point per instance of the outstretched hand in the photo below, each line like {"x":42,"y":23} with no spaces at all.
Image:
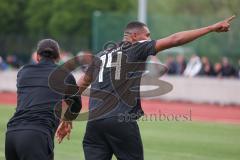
{"x":64,"y":129}
{"x":223,"y":26}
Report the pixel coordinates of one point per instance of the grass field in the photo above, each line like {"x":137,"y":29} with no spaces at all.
{"x":162,"y":140}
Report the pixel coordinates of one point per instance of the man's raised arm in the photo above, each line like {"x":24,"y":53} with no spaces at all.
{"x":184,"y":37}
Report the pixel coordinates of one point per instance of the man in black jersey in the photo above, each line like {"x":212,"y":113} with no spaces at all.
{"x":115,"y":92}
{"x":31,"y":130}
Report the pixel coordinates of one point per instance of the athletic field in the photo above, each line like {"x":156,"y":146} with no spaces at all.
{"x":211,"y":133}
{"x":168,"y":140}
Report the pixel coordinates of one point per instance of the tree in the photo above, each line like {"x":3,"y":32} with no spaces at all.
{"x":66,"y":18}
{"x":195,"y":7}
{"x":12,"y":17}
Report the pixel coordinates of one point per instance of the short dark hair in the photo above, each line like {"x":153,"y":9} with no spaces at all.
{"x":48,"y":48}
{"x":134,"y":25}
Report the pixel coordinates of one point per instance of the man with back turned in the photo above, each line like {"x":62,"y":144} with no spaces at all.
{"x":118,"y":84}
{"x":30,"y":132}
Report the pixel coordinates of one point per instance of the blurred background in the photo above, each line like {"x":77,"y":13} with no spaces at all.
{"x":205,"y":74}
{"x":88,"y":24}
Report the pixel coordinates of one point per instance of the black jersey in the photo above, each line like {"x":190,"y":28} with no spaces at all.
{"x":36,"y":101}
{"x":116,"y":89}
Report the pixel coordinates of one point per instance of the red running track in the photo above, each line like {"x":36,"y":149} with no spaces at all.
{"x":170,"y":110}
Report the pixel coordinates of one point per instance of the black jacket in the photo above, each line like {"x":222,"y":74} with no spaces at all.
{"x":37,"y":102}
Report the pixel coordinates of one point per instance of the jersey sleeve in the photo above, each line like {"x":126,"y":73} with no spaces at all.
{"x":144,"y":49}
{"x":74,"y":101}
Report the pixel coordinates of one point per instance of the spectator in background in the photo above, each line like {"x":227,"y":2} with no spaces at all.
{"x":207,"y":68}
{"x":227,"y":69}
{"x":193,"y":67}
{"x":218,"y":70}
{"x":13,"y":62}
{"x":154,"y":66}
{"x":181,"y":64}
{"x":3,"y":65}
{"x":80,"y":55}
{"x":33,"y":59}
{"x":172,"y":65}
{"x":65,"y":56}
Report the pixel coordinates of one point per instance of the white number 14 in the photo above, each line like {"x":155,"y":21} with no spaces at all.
{"x":116,"y":64}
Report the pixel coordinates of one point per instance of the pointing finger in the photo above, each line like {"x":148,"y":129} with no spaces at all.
{"x":230,"y":18}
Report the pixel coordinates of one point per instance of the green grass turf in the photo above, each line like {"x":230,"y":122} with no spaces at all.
{"x":162,"y":140}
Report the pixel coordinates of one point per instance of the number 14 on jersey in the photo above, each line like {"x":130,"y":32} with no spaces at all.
{"x":116,"y":64}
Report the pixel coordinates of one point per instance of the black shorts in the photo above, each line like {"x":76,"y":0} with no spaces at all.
{"x":27,"y":145}
{"x":106,"y":137}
